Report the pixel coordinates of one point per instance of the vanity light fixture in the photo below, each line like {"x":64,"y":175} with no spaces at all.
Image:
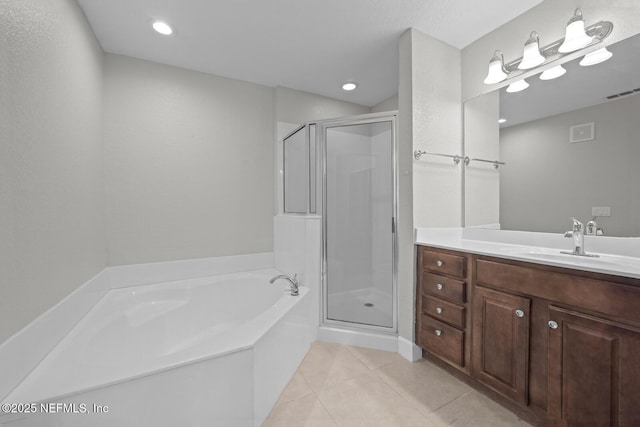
{"x":349,"y":86}
{"x":553,"y":73}
{"x":518,"y":86}
{"x":531,"y":57}
{"x":596,"y":57}
{"x":497,"y":72}
{"x":575,"y":36}
{"x":162,"y":28}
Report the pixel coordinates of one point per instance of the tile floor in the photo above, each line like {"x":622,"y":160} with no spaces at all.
{"x":339,"y":385}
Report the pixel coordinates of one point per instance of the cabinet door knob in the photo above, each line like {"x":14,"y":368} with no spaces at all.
{"x":439,"y":263}
{"x":438,"y":332}
{"x":553,"y":325}
{"x":439,"y":286}
{"x":519,"y":313}
{"x":438,"y":310}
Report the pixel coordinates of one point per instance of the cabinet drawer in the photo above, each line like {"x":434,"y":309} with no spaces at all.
{"x":444,"y":287}
{"x":439,"y":262}
{"x":439,"y":309}
{"x":443,"y":340}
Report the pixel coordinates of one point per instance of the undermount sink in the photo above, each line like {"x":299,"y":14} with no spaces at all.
{"x":549,"y":254}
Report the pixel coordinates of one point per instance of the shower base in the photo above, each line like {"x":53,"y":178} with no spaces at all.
{"x":368,"y":306}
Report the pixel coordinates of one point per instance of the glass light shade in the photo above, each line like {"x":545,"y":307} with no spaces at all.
{"x":596,"y":57}
{"x":518,"y":86}
{"x":553,"y":73}
{"x":496,"y":73}
{"x":575,"y":37}
{"x":531,"y":57}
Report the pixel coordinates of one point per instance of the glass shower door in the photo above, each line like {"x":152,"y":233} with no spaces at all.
{"x":358,"y":226}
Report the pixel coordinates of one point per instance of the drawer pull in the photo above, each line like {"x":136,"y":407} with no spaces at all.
{"x":439,"y":286}
{"x":553,"y":325}
{"x":519,"y":313}
{"x":439,"y":310}
{"x":439,"y":263}
{"x":438,"y":332}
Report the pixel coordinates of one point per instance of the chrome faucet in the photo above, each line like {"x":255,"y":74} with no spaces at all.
{"x":577,"y":232}
{"x":293,"y":280}
{"x":592,"y":228}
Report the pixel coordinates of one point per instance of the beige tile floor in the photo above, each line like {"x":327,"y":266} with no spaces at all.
{"x":339,"y":385}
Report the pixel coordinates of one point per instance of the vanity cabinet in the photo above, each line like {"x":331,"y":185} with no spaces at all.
{"x":561,"y":346}
{"x":594,"y":370}
{"x":441,"y":323}
{"x":501,"y":342}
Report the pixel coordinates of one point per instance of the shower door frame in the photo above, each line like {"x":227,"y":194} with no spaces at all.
{"x":321,"y":146}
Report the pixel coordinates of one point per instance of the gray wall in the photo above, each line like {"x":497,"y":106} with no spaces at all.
{"x":388,"y":104}
{"x":189,"y":160}
{"x":298,"y":107}
{"x":547,"y":179}
{"x":51,"y":157}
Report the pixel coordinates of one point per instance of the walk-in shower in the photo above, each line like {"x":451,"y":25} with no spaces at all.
{"x":344,"y":169}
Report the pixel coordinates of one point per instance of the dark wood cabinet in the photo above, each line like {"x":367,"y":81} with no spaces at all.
{"x":441,"y":321}
{"x":558,"y":346}
{"x":501,"y":342}
{"x":594,"y":369}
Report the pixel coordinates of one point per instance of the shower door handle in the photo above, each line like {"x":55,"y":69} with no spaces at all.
{"x":393,"y":225}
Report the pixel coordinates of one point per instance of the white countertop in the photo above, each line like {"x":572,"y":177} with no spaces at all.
{"x":619,"y":256}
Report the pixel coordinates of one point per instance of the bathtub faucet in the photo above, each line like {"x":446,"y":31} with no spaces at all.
{"x":293,"y":280}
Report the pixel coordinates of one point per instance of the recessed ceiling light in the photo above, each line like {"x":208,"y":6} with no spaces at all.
{"x":502,"y":121}
{"x":162,"y":27}
{"x":349,"y":86}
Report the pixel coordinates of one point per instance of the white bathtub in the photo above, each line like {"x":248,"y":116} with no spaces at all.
{"x":208,"y":351}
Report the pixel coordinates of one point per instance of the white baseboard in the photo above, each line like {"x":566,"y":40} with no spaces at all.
{"x":358,"y":338}
{"x":409,"y":350}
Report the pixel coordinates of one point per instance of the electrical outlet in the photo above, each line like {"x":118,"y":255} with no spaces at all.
{"x":601,"y":211}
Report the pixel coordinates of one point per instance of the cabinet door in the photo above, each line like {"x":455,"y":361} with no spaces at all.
{"x":501,"y":342}
{"x":594,"y":370}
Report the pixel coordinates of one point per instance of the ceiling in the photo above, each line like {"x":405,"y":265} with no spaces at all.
{"x":580,"y":87}
{"x":309,"y":45}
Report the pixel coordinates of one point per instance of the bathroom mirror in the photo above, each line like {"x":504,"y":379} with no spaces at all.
{"x":571,"y":147}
